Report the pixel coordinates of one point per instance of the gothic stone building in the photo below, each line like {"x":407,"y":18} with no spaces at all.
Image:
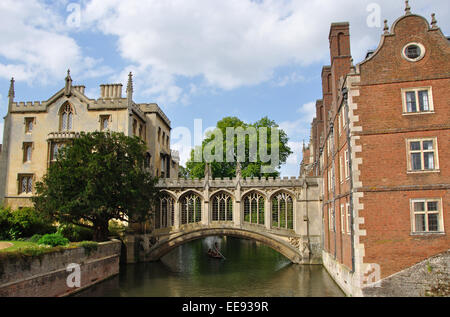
{"x":380,"y":141}
{"x":33,"y":133}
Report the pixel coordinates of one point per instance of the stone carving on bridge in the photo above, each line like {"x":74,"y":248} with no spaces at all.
{"x":147,"y":242}
{"x":295,"y":242}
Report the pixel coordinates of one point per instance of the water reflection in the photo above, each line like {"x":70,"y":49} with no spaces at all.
{"x":250,"y":269}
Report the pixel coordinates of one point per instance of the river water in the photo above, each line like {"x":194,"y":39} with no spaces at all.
{"x":250,"y":269}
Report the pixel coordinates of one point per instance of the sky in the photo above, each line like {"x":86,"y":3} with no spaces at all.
{"x":198,"y":59}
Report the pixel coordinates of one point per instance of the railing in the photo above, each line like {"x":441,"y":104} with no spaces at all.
{"x":63,"y":135}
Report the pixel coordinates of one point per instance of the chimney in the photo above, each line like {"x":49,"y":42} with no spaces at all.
{"x":80,"y":89}
{"x":111,"y":91}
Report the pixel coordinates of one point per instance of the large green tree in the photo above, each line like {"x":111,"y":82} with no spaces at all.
{"x":96,"y":178}
{"x":251,"y":165}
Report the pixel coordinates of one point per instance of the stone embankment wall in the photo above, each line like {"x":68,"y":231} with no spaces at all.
{"x":427,"y":278}
{"x":46,"y":276}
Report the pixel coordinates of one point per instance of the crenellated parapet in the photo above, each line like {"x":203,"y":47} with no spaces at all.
{"x":29,"y":106}
{"x":228,"y":182}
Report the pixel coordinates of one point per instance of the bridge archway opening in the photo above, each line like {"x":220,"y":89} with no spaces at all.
{"x":163,"y":248}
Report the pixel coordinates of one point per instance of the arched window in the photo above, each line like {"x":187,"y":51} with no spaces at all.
{"x":254,"y":208}
{"x":164,"y":216}
{"x":191,"y":209}
{"x":283,"y":211}
{"x":222,"y":207}
{"x":66,"y":118}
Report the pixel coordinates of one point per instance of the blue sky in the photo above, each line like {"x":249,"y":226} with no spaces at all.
{"x":198,"y":59}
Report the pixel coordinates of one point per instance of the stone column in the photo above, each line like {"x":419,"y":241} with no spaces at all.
{"x":237,"y":213}
{"x":205,"y":214}
{"x":177,"y":214}
{"x":267,"y":214}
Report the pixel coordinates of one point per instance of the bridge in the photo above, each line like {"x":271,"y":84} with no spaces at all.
{"x":282,"y":213}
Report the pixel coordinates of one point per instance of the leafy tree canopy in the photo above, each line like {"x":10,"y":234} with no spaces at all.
{"x":251,"y":164}
{"x":97,"y":178}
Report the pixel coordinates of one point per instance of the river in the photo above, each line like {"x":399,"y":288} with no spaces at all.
{"x":250,"y":269}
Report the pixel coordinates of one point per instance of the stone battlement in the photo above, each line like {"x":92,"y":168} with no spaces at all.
{"x":244,"y":182}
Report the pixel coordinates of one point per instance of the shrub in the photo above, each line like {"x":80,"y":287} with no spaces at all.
{"x":53,"y":240}
{"x":75,"y":233}
{"x":35,"y":238}
{"x":23,"y":223}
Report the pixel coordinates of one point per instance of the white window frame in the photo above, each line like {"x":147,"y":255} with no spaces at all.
{"x":344,"y":123}
{"x":347,"y":211}
{"x":342,"y":219}
{"x":426,"y":212}
{"x":339,"y":124}
{"x":346,"y":160}
{"x":330,"y":219}
{"x":409,"y":152}
{"x":341,"y":169}
{"x":416,"y":91}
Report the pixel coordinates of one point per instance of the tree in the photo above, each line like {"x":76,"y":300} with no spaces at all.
{"x":251,"y":166}
{"x":97,"y":178}
{"x":183,"y":172}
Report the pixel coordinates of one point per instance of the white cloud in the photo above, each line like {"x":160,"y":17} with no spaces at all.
{"x":299,"y":128}
{"x":232,"y":43}
{"x":36,"y":47}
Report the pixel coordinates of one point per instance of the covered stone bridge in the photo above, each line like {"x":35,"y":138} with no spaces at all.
{"x":283,"y":214}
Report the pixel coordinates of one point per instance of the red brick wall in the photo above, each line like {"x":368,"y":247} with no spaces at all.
{"x":387,"y":185}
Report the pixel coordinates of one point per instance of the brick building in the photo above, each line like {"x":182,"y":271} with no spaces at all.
{"x":381,"y":144}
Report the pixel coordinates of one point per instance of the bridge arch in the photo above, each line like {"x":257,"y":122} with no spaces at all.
{"x":184,"y":193}
{"x":222,"y":190}
{"x":281,"y":190}
{"x":164,"y":247}
{"x":221,"y":205}
{"x":247,"y":192}
{"x":170,"y":193}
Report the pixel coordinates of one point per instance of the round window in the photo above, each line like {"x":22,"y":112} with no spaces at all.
{"x":413,"y":52}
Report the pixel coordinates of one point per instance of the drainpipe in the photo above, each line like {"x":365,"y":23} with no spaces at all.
{"x":350,"y":170}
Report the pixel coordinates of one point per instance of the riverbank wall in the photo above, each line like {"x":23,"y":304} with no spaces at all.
{"x":59,"y":273}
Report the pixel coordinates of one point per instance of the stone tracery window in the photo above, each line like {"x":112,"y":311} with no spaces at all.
{"x":283,"y":211}
{"x":254,"y":208}
{"x":66,"y":118}
{"x":222,"y":207}
{"x":164,"y":216}
{"x":191,"y":208}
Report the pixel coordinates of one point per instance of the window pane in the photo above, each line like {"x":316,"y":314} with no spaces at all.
{"x":70,"y":122}
{"x":413,"y":51}
{"x":415,"y":146}
{"x":432,"y":206}
{"x":428,"y":145}
{"x":420,"y":223}
{"x":411,"y":101}
{"x":423,"y":100}
{"x":64,"y":122}
{"x":433,"y":224}
{"x":428,"y":160}
{"x":30,"y":185}
{"x":416,"y":161}
{"x":419,"y":206}
{"x":24,"y":185}
{"x":29,"y":153}
{"x":30,"y":126}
